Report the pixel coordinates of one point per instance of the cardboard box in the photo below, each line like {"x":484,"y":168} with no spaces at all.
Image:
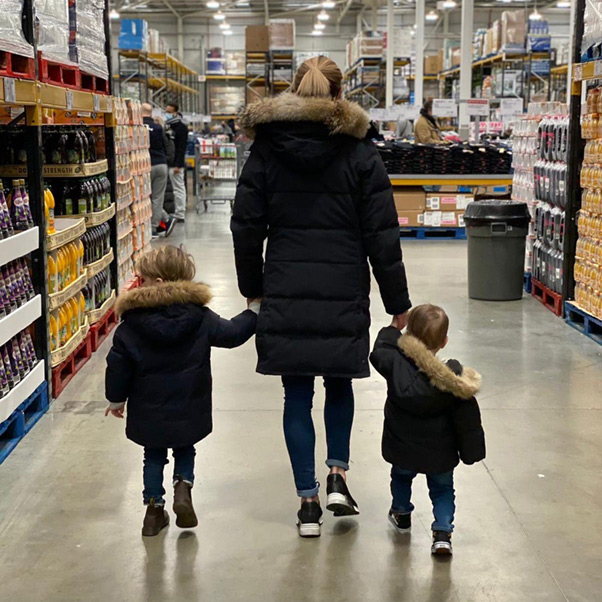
{"x":489,"y":42}
{"x":282,"y":34}
{"x":447,"y":201}
{"x":496,"y":40}
{"x":256,"y":93}
{"x":456,"y":57}
{"x":411,"y":198}
{"x":513,"y":29}
{"x":257,"y":38}
{"x":410,"y":219}
{"x":431,"y":64}
{"x":444,"y":219}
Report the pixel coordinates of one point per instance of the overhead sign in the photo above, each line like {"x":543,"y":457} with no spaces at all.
{"x":477,"y":107}
{"x":445,"y":107}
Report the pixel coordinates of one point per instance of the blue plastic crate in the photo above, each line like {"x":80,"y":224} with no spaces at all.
{"x":35,"y":406}
{"x":12,"y":431}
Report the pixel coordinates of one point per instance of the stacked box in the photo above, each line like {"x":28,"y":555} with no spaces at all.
{"x":133,"y":34}
{"x":235,"y":62}
{"x":87,"y":36}
{"x":12,"y":38}
{"x":257,"y":38}
{"x":432,"y":65}
{"x":282,"y":34}
{"x":415,"y":208}
{"x":514,"y":31}
{"x":52,"y":18}
{"x":226,"y":100}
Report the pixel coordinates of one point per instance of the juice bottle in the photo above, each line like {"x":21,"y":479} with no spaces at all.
{"x":74,"y":308}
{"x":68,"y":201}
{"x":62,"y":279}
{"x":80,"y":255}
{"x":54,"y":333}
{"x":50,"y":206}
{"x":67,"y":311}
{"x":62,"y":326}
{"x":73,"y":260}
{"x":82,"y":308}
{"x":26,"y":206}
{"x":8,"y":368}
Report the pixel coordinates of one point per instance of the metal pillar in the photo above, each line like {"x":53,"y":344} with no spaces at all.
{"x":374,"y":15}
{"x":419,"y":79}
{"x":466,"y":65}
{"x":180,"y":38}
{"x":390,"y":54}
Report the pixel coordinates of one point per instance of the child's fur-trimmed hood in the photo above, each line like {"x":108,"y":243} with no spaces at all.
{"x":340,"y":116}
{"x":440,"y":376}
{"x":164,"y":294}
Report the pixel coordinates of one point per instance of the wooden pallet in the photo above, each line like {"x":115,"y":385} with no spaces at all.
{"x":101,"y":329}
{"x":433,"y":233}
{"x":64,"y":372}
{"x":552,"y":300}
{"x":583,"y":321}
{"x":15,"y":65}
{"x":70,"y":76}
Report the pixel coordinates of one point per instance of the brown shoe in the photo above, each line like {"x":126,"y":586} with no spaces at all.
{"x":156,"y":519}
{"x":182,"y":505}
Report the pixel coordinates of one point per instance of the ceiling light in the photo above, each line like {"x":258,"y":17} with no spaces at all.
{"x":113,"y":15}
{"x":412,"y":32}
{"x":535,"y":16}
{"x":319,"y":25}
{"x":317,"y":32}
{"x":212,"y":4}
{"x":563,"y":4}
{"x":450,"y":4}
{"x":243,"y":3}
{"x":323,"y":16}
{"x":432,"y":16}
{"x":219,"y":16}
{"x":329,"y":4}
{"x":224,"y":25}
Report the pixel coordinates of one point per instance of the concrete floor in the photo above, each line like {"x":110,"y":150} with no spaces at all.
{"x":529,"y":516}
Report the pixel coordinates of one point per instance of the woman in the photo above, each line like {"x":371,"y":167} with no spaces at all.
{"x":316,"y":188}
{"x":426,"y":130}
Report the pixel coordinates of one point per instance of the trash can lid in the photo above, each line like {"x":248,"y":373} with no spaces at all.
{"x":497,"y":210}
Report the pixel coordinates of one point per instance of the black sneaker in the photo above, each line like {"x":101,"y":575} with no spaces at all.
{"x":167,"y":226}
{"x":442,"y":545}
{"x":309,"y":519}
{"x":401,"y":522}
{"x":339,"y":499}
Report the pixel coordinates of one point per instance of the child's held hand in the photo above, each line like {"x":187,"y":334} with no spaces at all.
{"x":118,"y":413}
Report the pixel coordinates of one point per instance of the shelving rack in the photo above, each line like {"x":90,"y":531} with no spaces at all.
{"x":160,"y":78}
{"x":282,"y":71}
{"x":257,"y":75}
{"x":238,"y":79}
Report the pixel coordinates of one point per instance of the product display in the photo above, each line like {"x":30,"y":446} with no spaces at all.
{"x":83,"y":196}
{"x":52,"y":17}
{"x":11,"y":30}
{"x":87,"y":36}
{"x":18,"y":358}
{"x":15,"y":211}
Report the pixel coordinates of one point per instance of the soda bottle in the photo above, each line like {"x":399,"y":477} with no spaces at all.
{"x":10,"y":377}
{"x":68,"y":202}
{"x":18,"y":213}
{"x":82,"y":201}
{"x":26,"y":206}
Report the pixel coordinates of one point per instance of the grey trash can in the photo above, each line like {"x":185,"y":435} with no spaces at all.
{"x":497,"y":232}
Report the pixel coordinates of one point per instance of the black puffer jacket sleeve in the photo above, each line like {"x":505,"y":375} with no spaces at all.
{"x":380,"y":231}
{"x":249,"y":226}
{"x":470,"y":436}
{"x":232,"y":333}
{"x":120,"y":367}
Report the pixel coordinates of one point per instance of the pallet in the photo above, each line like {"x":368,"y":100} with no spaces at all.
{"x":527,"y":285}
{"x":22,"y":420}
{"x":70,"y":76}
{"x":551,"y":300}
{"x":583,"y":321}
{"x":15,"y":65}
{"x":101,"y":329}
{"x":63,"y":374}
{"x":433,"y":233}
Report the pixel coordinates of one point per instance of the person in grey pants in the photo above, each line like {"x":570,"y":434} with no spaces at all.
{"x":161,"y":221}
{"x":178,"y":131}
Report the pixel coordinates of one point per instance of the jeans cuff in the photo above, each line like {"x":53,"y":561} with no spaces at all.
{"x":175,"y":482}
{"x":444,"y":528}
{"x":337,"y":463}
{"x":158,"y":501}
{"x":309,"y":492}
{"x":402,"y":511}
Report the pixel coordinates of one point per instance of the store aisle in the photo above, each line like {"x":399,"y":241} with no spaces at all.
{"x":528,"y":517}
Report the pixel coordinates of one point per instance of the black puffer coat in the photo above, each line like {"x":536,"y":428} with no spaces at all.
{"x":160,"y":361}
{"x":431,"y":416}
{"x":316,"y":188}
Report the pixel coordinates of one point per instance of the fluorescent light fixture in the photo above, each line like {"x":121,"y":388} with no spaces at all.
{"x":227,"y":32}
{"x":212,"y":4}
{"x":412,"y":33}
{"x":219,"y":16}
{"x":224,"y":25}
{"x":243,"y":3}
{"x":113,"y":15}
{"x":323,"y":16}
{"x":450,"y":4}
{"x":329,"y":4}
{"x":433,"y":15}
{"x":319,"y":25}
{"x":317,"y":32}
{"x":535,"y":16}
{"x":563,"y":4}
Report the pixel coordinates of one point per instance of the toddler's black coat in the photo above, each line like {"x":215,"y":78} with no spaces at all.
{"x":431,"y":416}
{"x":316,"y":188}
{"x":160,"y":362}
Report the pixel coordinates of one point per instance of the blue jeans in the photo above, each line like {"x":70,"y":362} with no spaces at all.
{"x":441,"y":492}
{"x":155,"y":458}
{"x":299,"y":430}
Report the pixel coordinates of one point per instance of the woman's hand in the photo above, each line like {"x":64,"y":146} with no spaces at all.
{"x":400,"y":321}
{"x":117,"y":413}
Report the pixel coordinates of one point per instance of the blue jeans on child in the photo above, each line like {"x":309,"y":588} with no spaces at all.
{"x":299,"y":427}
{"x":155,"y":458}
{"x":441,"y":492}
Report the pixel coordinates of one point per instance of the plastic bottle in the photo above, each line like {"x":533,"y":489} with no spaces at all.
{"x":22,"y":342}
{"x":80,"y":256}
{"x":50,"y":206}
{"x":82,"y":199}
{"x":68,"y":201}
{"x":4,"y":388}
{"x":63,"y":332}
{"x":18,"y":214}
{"x":17,"y":358}
{"x":82,"y":308}
{"x":91,"y":146}
{"x":74,"y":315}
{"x":54,"y":333}
{"x":73,"y":261}
{"x":12,"y":379}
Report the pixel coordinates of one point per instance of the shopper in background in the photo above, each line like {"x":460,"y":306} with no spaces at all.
{"x":432,"y":419}
{"x":426,"y":130}
{"x":316,"y":188}
{"x":161,"y":221}
{"x":178,"y":130}
{"x":160,"y":364}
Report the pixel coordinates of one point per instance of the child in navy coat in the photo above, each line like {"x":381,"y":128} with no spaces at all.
{"x":160,"y":364}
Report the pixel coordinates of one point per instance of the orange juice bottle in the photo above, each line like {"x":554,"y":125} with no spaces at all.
{"x":49,"y":205}
{"x":80,"y":256}
{"x":54,"y":333}
{"x":53,"y":282}
{"x":66,"y":268}
{"x":68,"y":317}
{"x":60,"y":267}
{"x":62,"y":326}
{"x":74,"y":309}
{"x":82,"y":308}
{"x":74,"y":261}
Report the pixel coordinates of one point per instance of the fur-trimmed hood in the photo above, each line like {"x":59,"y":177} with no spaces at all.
{"x":340,"y":116}
{"x":440,"y":375}
{"x":163,"y":295}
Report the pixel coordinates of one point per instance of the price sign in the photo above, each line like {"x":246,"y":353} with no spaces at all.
{"x":69,"y":99}
{"x":202,"y":79}
{"x":378,"y":114}
{"x":10,"y":93}
{"x":511,"y":106}
{"x":477,"y":107}
{"x":445,"y":107}
{"x":96,"y":100}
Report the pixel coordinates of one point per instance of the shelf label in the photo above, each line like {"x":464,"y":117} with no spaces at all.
{"x":10,"y":92}
{"x":69,"y":99}
{"x":202,"y":79}
{"x":96,"y":100}
{"x":445,"y":107}
{"x":511,"y":106}
{"x":477,"y":107}
{"x":598,"y":68}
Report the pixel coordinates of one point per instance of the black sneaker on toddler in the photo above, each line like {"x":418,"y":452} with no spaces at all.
{"x":339,"y":499}
{"x":442,"y":545}
{"x":309,"y":519}
{"x":401,"y":522}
